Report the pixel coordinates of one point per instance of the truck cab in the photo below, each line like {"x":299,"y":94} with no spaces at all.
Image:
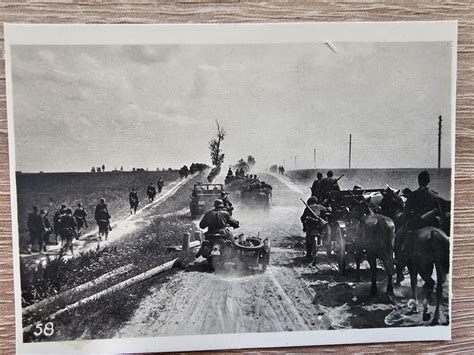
{"x":202,"y":198}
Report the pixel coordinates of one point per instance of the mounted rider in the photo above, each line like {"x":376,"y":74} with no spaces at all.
{"x":422,"y":208}
{"x":217,"y":221}
{"x":328,"y":184}
{"x":316,"y":187}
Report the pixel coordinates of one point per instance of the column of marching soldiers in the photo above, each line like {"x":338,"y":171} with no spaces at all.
{"x":69,"y":225}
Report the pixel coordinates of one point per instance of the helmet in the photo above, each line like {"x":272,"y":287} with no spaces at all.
{"x":330,"y":173}
{"x":102,"y":200}
{"x":312,"y":200}
{"x":218,"y":203}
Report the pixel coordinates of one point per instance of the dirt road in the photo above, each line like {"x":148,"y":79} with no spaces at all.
{"x":291,"y":295}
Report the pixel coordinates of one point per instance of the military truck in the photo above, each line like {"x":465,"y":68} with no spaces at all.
{"x":203,"y":197}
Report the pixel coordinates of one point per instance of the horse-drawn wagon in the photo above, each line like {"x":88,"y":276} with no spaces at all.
{"x":339,"y":235}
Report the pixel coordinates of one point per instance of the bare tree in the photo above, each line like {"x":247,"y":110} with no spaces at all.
{"x":217,"y":157}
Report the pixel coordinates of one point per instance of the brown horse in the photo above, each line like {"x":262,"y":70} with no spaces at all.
{"x":375,"y":234}
{"x":421,"y":250}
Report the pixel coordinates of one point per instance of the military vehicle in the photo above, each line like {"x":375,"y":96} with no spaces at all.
{"x":203,"y":197}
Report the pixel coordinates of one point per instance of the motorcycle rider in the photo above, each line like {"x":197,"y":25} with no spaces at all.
{"x":218,"y":220}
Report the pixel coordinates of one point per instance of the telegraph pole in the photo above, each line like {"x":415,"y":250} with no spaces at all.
{"x":314,"y":158}
{"x":350,"y":149}
{"x":440,"y":124}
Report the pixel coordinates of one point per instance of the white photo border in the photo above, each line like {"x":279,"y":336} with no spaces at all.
{"x":302,"y":32}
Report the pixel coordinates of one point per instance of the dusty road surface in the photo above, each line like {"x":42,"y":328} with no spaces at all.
{"x":292,"y":295}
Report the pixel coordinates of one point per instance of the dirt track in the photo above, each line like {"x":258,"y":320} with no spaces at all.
{"x":291,"y":295}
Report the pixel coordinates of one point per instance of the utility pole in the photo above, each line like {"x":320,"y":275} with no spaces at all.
{"x":350,"y":149}
{"x":440,"y":123}
{"x":314,"y":158}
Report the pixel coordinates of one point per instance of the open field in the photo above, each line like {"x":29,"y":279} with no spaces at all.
{"x":378,"y":178}
{"x":88,"y":188}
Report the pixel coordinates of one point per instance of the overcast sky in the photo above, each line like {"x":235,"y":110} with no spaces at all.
{"x":156,"y":106}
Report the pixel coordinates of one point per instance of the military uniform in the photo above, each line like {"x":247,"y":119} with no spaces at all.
{"x":151,"y":192}
{"x":36,"y":228}
{"x":419,"y":203}
{"x":133,"y":200}
{"x":80,"y":216}
{"x":312,"y":226}
{"x":316,"y":188}
{"x":217,"y":221}
{"x":68,"y":231}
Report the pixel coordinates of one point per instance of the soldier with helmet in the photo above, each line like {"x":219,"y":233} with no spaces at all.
{"x":225,"y":200}
{"x":218,"y":220}
{"x":68,"y":231}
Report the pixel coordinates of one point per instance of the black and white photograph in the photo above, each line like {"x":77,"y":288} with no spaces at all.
{"x":194,"y":187}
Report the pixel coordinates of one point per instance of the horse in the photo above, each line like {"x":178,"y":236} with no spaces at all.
{"x":375,"y":234}
{"x":421,"y":250}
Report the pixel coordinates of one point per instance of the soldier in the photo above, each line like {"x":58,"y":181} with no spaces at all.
{"x":80,"y":217}
{"x":227,"y":204}
{"x":316,"y":187}
{"x":68,"y":231}
{"x":133,"y":199}
{"x":328,"y":184}
{"x":218,"y":220}
{"x":102,"y":218}
{"x":47,"y":228}
{"x":422,"y":208}
{"x":159,"y":184}
{"x":57,"y":221}
{"x":36,"y":229}
{"x":151,"y":192}
{"x":230,"y":173}
{"x":313,"y":221}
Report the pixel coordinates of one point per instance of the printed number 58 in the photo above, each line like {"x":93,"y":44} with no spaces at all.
{"x":47,"y":330}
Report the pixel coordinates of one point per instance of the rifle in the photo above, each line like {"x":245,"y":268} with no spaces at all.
{"x":329,"y":186}
{"x":314,"y":214}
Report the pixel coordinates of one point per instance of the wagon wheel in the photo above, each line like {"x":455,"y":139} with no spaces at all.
{"x":327,"y":240}
{"x":340,"y":249}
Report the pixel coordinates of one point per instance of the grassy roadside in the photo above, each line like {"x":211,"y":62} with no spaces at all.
{"x":106,"y":315}
{"x":145,"y":249}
